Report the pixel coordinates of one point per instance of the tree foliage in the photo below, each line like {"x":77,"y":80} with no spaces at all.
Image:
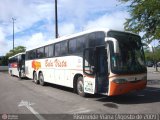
{"x":16,"y":50}
{"x":153,"y":55}
{"x":144,"y":17}
{"x":3,"y":61}
{"x":19,"y":49}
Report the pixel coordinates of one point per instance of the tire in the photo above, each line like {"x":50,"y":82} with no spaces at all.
{"x":80,"y":87}
{"x":36,"y":81}
{"x":41,"y":79}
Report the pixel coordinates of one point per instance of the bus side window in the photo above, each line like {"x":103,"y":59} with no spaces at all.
{"x":51,"y":50}
{"x":80,"y":44}
{"x":100,"y":36}
{"x":92,"y":38}
{"x":32,"y":54}
{"x":72,"y":46}
{"x":46,"y":51}
{"x":57,"y":49}
{"x":40,"y":52}
{"x":64,"y":48}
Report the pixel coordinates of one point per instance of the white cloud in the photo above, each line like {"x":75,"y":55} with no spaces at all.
{"x":80,"y":11}
{"x":67,"y":28}
{"x":26,"y":13}
{"x":3,"y":43}
{"x":35,"y":40}
{"x":2,"y":36}
{"x":73,"y":16}
{"x":112,"y":21}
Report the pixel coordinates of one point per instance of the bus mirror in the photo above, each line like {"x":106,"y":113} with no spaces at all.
{"x":116,"y":46}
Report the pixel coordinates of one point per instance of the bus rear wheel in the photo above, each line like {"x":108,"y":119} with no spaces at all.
{"x":80,"y":87}
{"x":35,"y":78}
{"x":41,"y":79}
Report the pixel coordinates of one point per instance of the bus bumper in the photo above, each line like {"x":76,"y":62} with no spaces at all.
{"x":118,"y":89}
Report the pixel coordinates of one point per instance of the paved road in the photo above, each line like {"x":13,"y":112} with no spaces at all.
{"x":25,"y":97}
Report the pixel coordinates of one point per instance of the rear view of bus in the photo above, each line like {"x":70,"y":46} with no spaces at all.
{"x":118,"y":67}
{"x":16,"y":65}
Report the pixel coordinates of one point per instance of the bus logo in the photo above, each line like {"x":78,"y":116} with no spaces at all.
{"x":36,"y":65}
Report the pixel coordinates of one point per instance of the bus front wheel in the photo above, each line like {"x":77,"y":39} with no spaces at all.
{"x":41,"y":79}
{"x":80,"y":87}
{"x":35,"y":78}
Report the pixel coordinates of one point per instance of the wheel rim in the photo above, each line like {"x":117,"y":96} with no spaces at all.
{"x":80,"y":87}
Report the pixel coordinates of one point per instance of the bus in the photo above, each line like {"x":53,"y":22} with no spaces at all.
{"x":16,"y":66}
{"x":99,"y":61}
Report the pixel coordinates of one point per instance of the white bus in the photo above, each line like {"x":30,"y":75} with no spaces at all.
{"x":95,"y":61}
{"x":16,"y":65}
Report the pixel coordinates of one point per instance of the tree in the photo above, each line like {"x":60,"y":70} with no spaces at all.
{"x":144,"y":17}
{"x":157,"y":54}
{"x":149,"y":55}
{"x":16,"y":50}
{"x":153,"y":56}
{"x":4,"y":61}
{"x":19,"y":49}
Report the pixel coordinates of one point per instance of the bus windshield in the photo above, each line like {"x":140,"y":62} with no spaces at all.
{"x":130,"y":56}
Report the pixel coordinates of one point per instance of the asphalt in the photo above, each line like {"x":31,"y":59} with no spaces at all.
{"x":25,"y":97}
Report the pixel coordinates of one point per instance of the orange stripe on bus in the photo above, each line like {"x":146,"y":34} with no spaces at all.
{"x":118,"y":89}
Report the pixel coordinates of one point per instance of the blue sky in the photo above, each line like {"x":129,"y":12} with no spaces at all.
{"x":34,"y":23}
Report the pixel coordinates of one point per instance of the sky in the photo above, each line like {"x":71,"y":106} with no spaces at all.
{"x":34,"y":19}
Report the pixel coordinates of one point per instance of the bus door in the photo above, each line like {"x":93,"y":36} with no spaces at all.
{"x":89,"y":70}
{"x":95,"y":69}
{"x":21,"y":65}
{"x":102,"y":80}
{"x":21,"y":62}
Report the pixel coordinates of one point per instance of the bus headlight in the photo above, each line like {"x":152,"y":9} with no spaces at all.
{"x":119,"y":81}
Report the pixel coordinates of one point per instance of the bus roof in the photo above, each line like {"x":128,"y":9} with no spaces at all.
{"x":16,"y":55}
{"x":69,"y":37}
{"x":75,"y":35}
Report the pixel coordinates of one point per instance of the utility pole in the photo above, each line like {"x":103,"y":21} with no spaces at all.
{"x":56,"y":20}
{"x":13,"y":20}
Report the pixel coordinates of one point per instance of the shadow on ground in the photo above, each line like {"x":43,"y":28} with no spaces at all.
{"x":148,"y":95}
